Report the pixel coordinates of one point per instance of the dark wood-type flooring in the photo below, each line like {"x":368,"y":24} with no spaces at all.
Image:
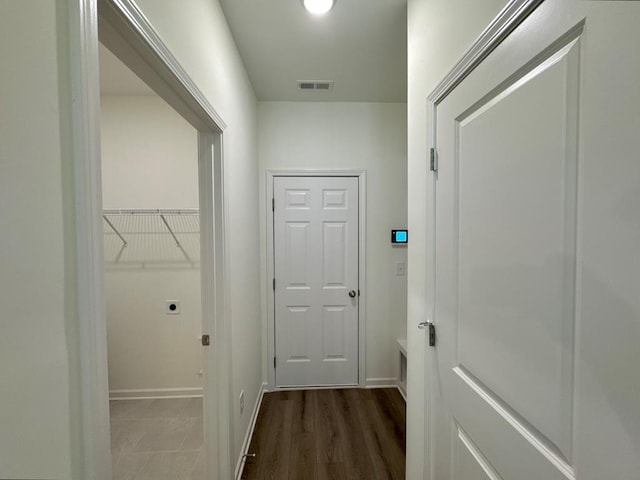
{"x":329,"y":434}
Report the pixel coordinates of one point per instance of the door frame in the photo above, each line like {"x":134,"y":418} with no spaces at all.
{"x":361,"y":175}
{"x":512,"y":15}
{"x":127,"y":32}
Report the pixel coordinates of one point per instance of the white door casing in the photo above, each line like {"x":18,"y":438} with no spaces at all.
{"x":125,"y":29}
{"x":316,"y":271}
{"x":534,"y":374}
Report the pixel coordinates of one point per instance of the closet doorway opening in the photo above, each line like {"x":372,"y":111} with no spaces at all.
{"x":164,"y":278}
{"x":152,"y":279}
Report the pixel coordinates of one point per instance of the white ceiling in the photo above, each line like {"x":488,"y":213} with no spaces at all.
{"x":361,"y":44}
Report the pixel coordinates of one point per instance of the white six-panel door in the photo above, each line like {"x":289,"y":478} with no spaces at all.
{"x":316,"y":280}
{"x":537,"y":278}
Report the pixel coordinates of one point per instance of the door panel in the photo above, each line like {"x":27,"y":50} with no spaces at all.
{"x":470,"y":463}
{"x":334,"y":255}
{"x":316,"y":265}
{"x":334,"y":325}
{"x":517,"y":229}
{"x":507,"y":227}
{"x":297,"y":255}
{"x":516,"y":204}
{"x":297,"y":327}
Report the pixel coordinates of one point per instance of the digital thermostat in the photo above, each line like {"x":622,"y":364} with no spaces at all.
{"x":399,"y":237}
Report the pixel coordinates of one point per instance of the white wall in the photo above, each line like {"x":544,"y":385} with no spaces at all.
{"x":149,"y":154}
{"x":439,"y":33}
{"x":368,"y":136}
{"x":149,"y":160}
{"x":37,"y":287}
{"x":197,"y":34}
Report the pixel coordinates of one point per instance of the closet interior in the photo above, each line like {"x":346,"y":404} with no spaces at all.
{"x":152,"y":280}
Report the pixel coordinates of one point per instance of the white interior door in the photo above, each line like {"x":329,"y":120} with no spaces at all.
{"x":537,"y":272}
{"x":316,"y":280}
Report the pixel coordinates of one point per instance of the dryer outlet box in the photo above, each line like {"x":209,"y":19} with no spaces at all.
{"x":172,"y":307}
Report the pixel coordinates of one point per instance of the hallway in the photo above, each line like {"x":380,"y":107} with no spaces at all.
{"x":322,"y":434}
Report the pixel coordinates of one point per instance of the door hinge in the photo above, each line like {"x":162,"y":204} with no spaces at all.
{"x":433,"y":160}
{"x":274,"y":284}
{"x":274,"y":362}
{"x":273,"y":204}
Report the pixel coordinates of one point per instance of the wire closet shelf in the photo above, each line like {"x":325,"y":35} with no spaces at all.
{"x":143,"y":237}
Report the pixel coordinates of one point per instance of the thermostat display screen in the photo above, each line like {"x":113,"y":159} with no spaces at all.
{"x":400,"y":236}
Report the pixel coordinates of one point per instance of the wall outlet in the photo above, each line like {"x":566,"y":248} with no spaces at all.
{"x":172,"y":307}
{"x":241,"y":402}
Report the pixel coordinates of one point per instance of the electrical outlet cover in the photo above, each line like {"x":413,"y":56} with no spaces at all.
{"x":172,"y":307}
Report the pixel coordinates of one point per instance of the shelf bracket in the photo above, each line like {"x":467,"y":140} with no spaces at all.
{"x":115,"y":230}
{"x":178,"y":244}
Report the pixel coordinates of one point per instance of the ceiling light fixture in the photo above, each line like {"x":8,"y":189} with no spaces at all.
{"x":318,"y":7}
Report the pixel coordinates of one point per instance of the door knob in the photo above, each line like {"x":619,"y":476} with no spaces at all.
{"x":352,"y":293}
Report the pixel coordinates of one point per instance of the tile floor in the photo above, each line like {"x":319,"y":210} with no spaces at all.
{"x":157,"y":439}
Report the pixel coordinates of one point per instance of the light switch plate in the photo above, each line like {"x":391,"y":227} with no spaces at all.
{"x":400,"y":268}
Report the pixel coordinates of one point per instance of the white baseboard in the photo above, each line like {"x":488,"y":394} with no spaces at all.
{"x":390,"y":382}
{"x":249,"y":434}
{"x":403,"y":394}
{"x":306,"y":387}
{"x":142,"y":393}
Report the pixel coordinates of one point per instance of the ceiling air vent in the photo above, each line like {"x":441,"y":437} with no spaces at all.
{"x":315,"y":85}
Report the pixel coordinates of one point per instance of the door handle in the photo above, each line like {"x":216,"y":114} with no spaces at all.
{"x":432,"y":331}
{"x":352,"y":293}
